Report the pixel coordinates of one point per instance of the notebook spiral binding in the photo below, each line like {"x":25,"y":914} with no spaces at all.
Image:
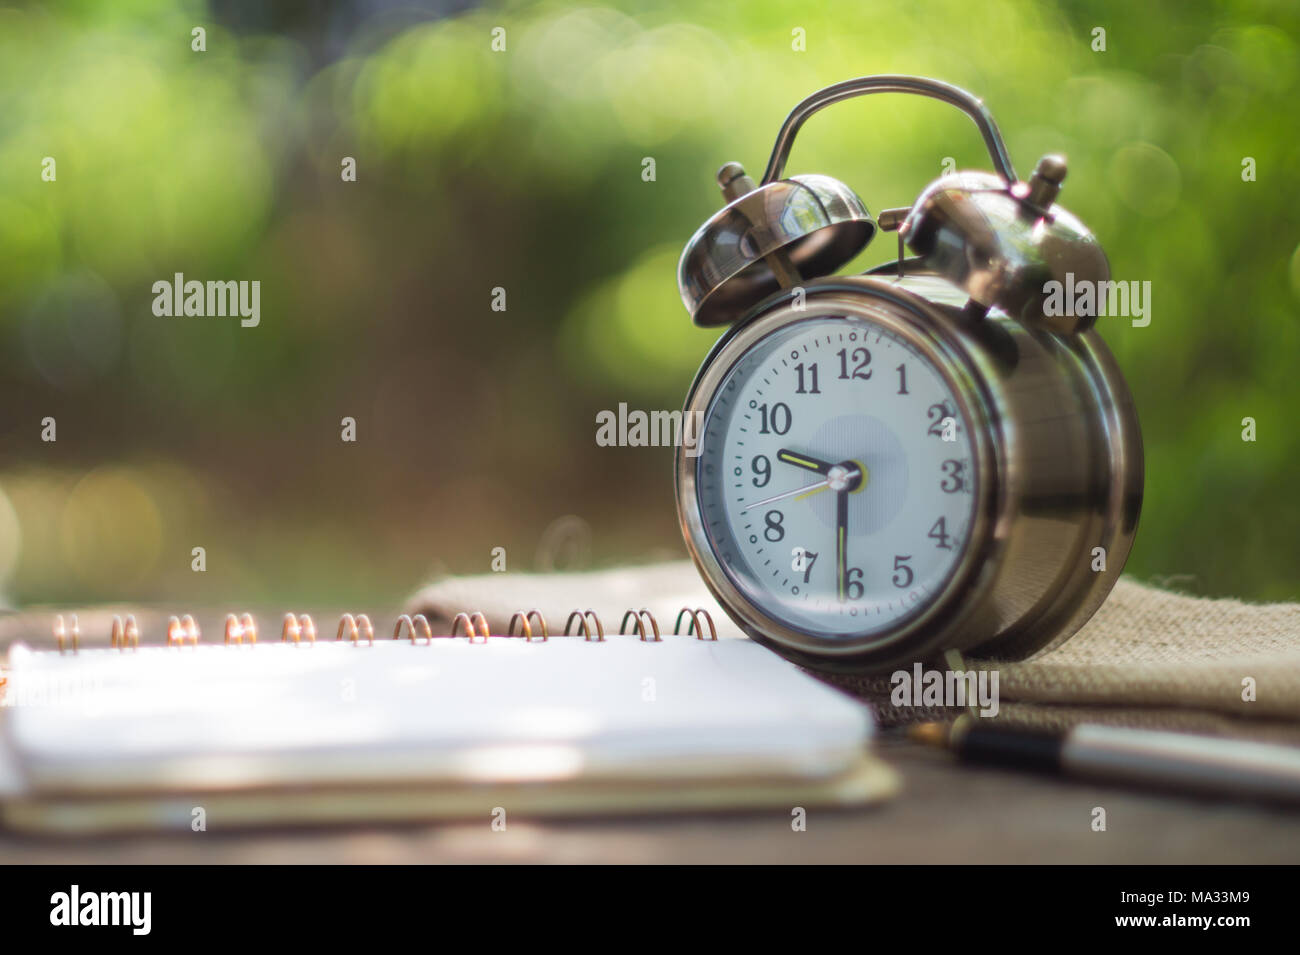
{"x":300,"y":628}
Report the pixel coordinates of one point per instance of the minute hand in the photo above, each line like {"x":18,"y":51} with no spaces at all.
{"x":841,"y":539}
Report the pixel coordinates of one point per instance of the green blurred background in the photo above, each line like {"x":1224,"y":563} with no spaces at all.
{"x":523,"y":170}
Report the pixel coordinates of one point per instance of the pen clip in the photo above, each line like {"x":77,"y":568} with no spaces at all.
{"x":953,"y":659}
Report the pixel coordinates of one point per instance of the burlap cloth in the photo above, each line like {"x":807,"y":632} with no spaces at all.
{"x":1148,"y":658}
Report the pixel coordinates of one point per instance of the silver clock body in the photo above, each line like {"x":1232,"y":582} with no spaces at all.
{"x":1047,"y":507}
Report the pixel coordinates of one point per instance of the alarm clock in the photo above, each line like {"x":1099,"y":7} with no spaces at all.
{"x":924,"y":457}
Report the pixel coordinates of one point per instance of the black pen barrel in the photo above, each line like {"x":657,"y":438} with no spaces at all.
{"x":1036,"y":750}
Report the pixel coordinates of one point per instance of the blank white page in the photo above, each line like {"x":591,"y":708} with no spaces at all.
{"x":509,"y":710}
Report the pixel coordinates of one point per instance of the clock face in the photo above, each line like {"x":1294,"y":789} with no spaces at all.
{"x":836,"y":480}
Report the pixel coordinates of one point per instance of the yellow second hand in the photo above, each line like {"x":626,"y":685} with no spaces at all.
{"x":824,"y":487}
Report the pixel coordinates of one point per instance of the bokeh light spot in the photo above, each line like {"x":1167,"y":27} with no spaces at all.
{"x":110,"y":529}
{"x":1146,"y":178}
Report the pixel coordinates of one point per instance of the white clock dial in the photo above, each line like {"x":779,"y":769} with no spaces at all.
{"x":836,"y":480}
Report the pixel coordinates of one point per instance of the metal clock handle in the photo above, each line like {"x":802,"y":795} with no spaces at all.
{"x":919,"y":85}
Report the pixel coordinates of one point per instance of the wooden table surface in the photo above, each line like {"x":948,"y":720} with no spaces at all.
{"x":944,"y":813}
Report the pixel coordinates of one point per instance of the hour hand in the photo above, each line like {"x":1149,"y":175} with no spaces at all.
{"x":805,"y":461}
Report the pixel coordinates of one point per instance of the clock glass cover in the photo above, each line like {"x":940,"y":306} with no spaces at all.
{"x":836,"y":481}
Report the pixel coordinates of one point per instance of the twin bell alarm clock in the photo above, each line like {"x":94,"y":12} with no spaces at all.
{"x":921,"y":458}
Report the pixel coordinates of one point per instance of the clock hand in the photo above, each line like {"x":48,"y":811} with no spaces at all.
{"x":810,"y":489}
{"x":841,"y":539}
{"x":844,"y":479}
{"x":805,"y":461}
{"x":846,"y":475}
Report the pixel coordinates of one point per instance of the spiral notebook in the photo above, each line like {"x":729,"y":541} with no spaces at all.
{"x":316,"y":728}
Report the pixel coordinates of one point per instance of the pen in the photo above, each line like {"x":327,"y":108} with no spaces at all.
{"x":1179,"y":761}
